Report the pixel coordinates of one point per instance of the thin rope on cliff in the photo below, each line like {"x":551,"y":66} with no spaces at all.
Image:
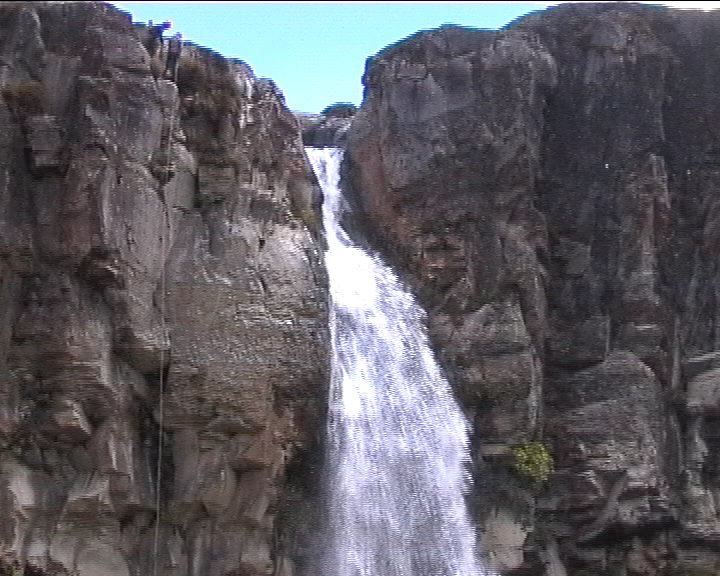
{"x":163,"y":330}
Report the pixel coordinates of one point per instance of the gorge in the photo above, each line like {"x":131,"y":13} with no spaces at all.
{"x":397,"y":441}
{"x":548,"y":194}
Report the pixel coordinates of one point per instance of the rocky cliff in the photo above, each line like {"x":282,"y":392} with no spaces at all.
{"x":322,"y":131}
{"x":550,"y":192}
{"x":163,"y":345}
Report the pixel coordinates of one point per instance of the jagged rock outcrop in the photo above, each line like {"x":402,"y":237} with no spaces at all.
{"x":153,"y":232}
{"x":549,"y":192}
{"x":322,"y":131}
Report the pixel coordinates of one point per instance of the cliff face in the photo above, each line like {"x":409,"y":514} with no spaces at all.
{"x":550,"y":192}
{"x":151,"y":227}
{"x":321,"y":131}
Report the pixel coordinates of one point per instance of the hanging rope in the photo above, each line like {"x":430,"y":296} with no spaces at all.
{"x":163,"y":332}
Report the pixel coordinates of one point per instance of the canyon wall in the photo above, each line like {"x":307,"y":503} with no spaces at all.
{"x":163,"y":308}
{"x":550,"y":191}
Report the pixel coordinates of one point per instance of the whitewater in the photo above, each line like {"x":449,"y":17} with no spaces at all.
{"x":398,"y":454}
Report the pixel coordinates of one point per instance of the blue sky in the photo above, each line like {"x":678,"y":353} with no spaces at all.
{"x":316,"y":52}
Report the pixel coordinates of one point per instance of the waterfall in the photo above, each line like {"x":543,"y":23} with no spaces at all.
{"x":398,"y":442}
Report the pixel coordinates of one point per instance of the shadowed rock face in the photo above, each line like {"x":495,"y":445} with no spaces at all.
{"x":150,"y":227}
{"x":321,"y":131}
{"x":550,"y":193}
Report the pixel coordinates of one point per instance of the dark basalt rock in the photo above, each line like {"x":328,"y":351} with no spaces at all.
{"x":549,"y":192}
{"x":149,"y":227}
{"x":321,"y":131}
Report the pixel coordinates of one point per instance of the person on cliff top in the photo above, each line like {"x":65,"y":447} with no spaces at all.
{"x":173,"y":55}
{"x":155,"y":39}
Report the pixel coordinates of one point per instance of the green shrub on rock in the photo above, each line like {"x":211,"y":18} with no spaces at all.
{"x":532,"y":461}
{"x":340,"y":110}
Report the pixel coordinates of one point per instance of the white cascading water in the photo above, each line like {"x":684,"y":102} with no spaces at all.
{"x":398,"y":442}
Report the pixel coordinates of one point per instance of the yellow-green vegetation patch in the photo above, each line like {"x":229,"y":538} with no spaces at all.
{"x":532,"y":461}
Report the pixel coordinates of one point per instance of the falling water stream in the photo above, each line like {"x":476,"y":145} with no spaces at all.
{"x":398,"y":442}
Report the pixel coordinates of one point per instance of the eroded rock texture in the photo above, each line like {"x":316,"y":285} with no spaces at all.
{"x":151,"y":226}
{"x":321,"y":131}
{"x":550,"y":191}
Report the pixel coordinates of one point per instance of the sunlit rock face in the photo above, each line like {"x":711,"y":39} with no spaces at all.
{"x":152,"y":227}
{"x":549,"y":192}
